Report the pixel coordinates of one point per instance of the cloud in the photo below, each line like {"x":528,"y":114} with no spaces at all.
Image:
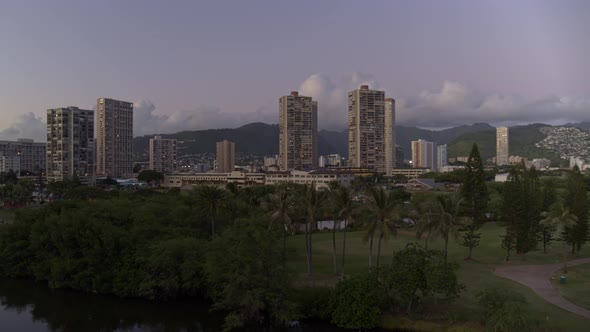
{"x":26,"y":126}
{"x":147,"y":120}
{"x":332,"y":97}
{"x":453,"y":104}
{"x":457,"y":104}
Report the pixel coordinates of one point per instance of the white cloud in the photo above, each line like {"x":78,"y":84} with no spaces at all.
{"x":148,"y":121}
{"x":457,"y":104}
{"x":453,"y":104}
{"x":332,"y":97}
{"x":26,"y":126}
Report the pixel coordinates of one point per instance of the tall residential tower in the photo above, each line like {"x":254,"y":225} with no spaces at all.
{"x":298,"y":132}
{"x":162,"y":154}
{"x":225,"y":157}
{"x":502,"y":153}
{"x":389,"y":135}
{"x":371,"y":130}
{"x":114,"y":138}
{"x":423,"y":154}
{"x":70,"y":144}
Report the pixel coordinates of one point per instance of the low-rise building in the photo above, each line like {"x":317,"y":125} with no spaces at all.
{"x":321,"y":178}
{"x":421,"y":185}
{"x":411,"y":173}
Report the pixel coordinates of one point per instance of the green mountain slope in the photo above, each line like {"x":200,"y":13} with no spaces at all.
{"x":263,"y":139}
{"x":522,"y":141}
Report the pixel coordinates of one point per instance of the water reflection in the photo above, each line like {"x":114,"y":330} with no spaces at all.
{"x":27,"y":306}
{"x":33,"y":307}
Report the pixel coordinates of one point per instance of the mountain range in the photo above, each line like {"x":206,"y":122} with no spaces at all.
{"x":262,"y":139}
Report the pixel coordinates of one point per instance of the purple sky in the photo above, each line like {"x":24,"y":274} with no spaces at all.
{"x":193,"y":65}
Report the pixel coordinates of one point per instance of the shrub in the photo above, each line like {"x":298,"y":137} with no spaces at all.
{"x":356,"y":302}
{"x":504,"y":310}
{"x":313,"y":303}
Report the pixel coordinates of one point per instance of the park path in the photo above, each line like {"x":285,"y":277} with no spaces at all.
{"x":537,"y":278}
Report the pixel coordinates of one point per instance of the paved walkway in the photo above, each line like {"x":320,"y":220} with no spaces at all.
{"x":537,"y":278}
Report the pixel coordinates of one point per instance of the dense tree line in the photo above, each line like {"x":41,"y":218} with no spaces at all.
{"x":224,"y":244}
{"x":229,"y":244}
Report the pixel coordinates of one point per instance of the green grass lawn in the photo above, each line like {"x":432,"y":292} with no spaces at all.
{"x":577,"y":287}
{"x":475,"y":274}
{"x":6,"y":216}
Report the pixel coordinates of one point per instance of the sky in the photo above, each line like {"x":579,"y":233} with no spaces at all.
{"x":190,"y":65}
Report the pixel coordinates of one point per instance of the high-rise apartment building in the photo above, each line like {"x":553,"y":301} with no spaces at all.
{"x":225,"y":157}
{"x":423,"y":154}
{"x":162,"y":154}
{"x":70,"y":144}
{"x":115,"y":138}
{"x":441,"y":156}
{"x":389,"y":135}
{"x":298,"y":132}
{"x":502,"y":152}
{"x":371,"y":136}
{"x":32,"y":155}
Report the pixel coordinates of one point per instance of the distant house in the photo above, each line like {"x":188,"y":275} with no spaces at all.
{"x":501,"y":177}
{"x":422,"y":185}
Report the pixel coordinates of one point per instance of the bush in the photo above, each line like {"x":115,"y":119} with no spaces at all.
{"x":504,"y":310}
{"x":313,"y":303}
{"x":356,"y":302}
{"x":416,"y":273}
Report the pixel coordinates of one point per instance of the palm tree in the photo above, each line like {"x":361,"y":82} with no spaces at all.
{"x":424,"y":214}
{"x":383,"y":212}
{"x":343,"y":208}
{"x":281,"y":206}
{"x":446,"y":218}
{"x":210,"y":199}
{"x":560,"y":217}
{"x":234,"y":199}
{"x":312,"y":202}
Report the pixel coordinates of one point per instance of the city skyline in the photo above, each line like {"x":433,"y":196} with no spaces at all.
{"x":526,"y":61}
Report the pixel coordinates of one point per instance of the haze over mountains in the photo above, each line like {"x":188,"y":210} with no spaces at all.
{"x":262,"y":139}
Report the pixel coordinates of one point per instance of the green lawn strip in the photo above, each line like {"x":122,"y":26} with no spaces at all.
{"x":476,"y":274}
{"x":7,"y":216}
{"x":577,"y":287}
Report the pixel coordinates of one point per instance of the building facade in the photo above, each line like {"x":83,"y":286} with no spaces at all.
{"x":70,"y":144}
{"x":225,"y":157}
{"x":502,"y":152}
{"x":298,"y":132}
{"x":423,"y":154}
{"x":389,"y":135}
{"x":32,"y":155}
{"x":114,"y":138}
{"x":441,"y":156}
{"x":371,"y":130}
{"x":10,"y":164}
{"x":162,"y":154}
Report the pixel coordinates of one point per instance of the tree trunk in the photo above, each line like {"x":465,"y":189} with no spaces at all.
{"x":212,"y":227}
{"x":310,"y":258}
{"x":544,"y":244}
{"x":334,"y":248}
{"x":284,"y":258}
{"x":371,"y":252}
{"x":307,"y":250}
{"x":470,"y":252}
{"x":343,"y":249}
{"x":379,"y":248}
{"x":426,"y":242}
{"x":564,"y":258}
{"x":446,"y":247}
